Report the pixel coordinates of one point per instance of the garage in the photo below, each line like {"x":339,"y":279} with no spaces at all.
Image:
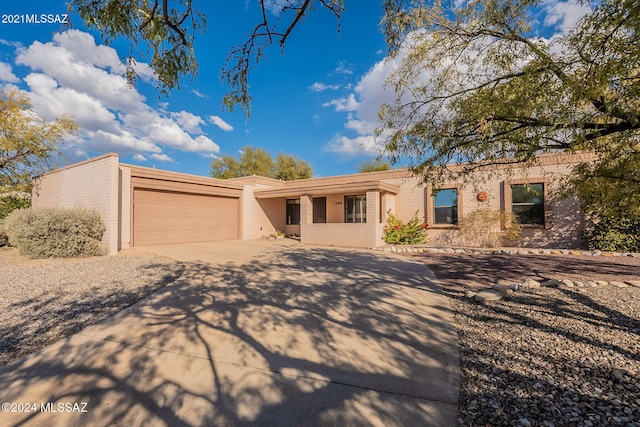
{"x":168,"y":217}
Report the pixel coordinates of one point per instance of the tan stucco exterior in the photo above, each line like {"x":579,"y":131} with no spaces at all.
{"x":110,"y":187}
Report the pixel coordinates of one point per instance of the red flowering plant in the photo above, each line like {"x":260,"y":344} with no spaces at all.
{"x":413,"y":232}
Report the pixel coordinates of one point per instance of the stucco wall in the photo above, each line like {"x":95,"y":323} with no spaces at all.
{"x":564,"y":220}
{"x":261,"y":217}
{"x":92,"y":184}
{"x":124,"y":202}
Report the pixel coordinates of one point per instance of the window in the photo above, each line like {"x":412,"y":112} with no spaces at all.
{"x":528,"y":203}
{"x":445,"y":206}
{"x":355,"y":208}
{"x":320,"y":209}
{"x":293,"y":211}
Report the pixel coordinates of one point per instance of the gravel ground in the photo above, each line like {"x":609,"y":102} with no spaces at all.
{"x":547,"y":356}
{"x":540,"y":357}
{"x":44,"y":300}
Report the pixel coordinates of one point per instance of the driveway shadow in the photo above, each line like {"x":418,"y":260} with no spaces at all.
{"x":300,"y":336}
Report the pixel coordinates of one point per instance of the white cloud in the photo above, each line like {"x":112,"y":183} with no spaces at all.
{"x":73,"y":75}
{"x":348,"y":103}
{"x":354,"y":146}
{"x":162,"y":158}
{"x":139,"y":158}
{"x":563,"y":15}
{"x":362,"y":107}
{"x":216,"y":120}
{"x":189,"y":121}
{"x":199,"y":94}
{"x":320,"y":87}
{"x":342,"y":68}
{"x":6,"y":74}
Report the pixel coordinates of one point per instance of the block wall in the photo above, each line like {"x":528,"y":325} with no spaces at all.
{"x":92,"y":184}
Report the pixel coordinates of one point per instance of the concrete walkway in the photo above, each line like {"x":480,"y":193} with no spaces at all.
{"x":256,"y":333}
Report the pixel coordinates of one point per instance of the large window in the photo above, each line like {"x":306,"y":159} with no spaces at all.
{"x":445,"y":206}
{"x":320,"y":209}
{"x":293,"y":211}
{"x":528,"y":203}
{"x":355,"y":208}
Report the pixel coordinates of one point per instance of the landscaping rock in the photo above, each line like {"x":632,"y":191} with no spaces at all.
{"x":635,"y":283}
{"x":566,"y":283}
{"x":488,"y":296}
{"x":530,"y":284}
{"x":551,"y":283}
{"x":504,"y":289}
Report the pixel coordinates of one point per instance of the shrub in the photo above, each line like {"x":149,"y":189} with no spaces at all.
{"x":4,"y":237}
{"x":485,"y":228}
{"x":614,"y":234}
{"x":55,"y":232}
{"x":11,"y":202}
{"x":413,"y":232}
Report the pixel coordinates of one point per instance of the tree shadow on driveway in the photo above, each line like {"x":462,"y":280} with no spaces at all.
{"x":298,"y":337}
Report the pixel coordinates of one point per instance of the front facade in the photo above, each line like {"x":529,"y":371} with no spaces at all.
{"x":143,"y":206}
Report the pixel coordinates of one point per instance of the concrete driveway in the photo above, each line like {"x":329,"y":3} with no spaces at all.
{"x":272,"y":333}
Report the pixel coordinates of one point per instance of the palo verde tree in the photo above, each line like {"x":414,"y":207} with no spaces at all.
{"x":476,"y":84}
{"x":257,"y":161}
{"x":28,"y":143}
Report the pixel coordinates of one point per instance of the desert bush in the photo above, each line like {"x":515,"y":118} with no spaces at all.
{"x":55,"y":232}
{"x":485,"y":228}
{"x":614,"y":234}
{"x":4,"y":237}
{"x":413,"y":232}
{"x":11,"y":202}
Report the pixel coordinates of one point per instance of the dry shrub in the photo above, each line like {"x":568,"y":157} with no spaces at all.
{"x":485,"y":228}
{"x":55,"y":232}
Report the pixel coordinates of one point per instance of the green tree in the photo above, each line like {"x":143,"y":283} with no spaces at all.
{"x":289,"y":168}
{"x":374,"y":166}
{"x":28,"y":143}
{"x":257,"y":161}
{"x":475,"y":84}
{"x":608,"y":193}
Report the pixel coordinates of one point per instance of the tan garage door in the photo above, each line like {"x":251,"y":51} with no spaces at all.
{"x":163,"y":217}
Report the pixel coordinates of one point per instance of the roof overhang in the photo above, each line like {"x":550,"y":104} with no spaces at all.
{"x":320,"y":190}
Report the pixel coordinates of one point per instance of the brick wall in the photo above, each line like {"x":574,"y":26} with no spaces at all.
{"x":92,"y":184}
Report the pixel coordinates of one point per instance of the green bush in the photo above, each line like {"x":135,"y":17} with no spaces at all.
{"x":413,"y":232}
{"x":614,"y":234}
{"x":4,"y":237}
{"x":10,"y":203}
{"x":55,"y":232}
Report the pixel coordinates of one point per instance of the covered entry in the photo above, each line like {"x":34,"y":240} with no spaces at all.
{"x":166,"y":217}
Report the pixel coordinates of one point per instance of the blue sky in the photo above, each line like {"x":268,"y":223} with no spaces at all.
{"x":318,"y":100}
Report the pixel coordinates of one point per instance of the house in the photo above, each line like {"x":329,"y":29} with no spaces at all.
{"x":143,"y":206}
